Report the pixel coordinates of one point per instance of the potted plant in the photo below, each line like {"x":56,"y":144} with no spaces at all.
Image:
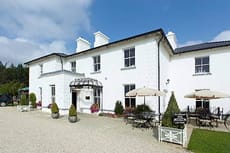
{"x":33,"y":99}
{"x":94,"y":108}
{"x":72,"y":114}
{"x":23,"y":107}
{"x":54,"y":111}
{"x":170,"y":131}
{"x":119,"y":109}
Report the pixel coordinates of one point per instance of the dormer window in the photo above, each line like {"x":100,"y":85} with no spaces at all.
{"x":202,"y":65}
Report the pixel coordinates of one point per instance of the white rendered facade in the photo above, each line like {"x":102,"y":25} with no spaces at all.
{"x":176,"y":73}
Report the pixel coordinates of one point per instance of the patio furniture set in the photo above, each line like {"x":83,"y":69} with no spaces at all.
{"x":141,"y":120}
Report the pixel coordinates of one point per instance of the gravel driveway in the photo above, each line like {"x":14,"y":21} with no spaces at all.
{"x":36,"y":132}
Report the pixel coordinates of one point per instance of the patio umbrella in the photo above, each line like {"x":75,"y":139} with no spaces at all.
{"x":144,"y":92}
{"x":207,"y":94}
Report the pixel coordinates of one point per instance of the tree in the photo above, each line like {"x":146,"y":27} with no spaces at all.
{"x":170,"y":111}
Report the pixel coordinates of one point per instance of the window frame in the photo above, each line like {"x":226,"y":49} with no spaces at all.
{"x":130,"y":100}
{"x":129,"y":57}
{"x":73,"y":66}
{"x":200,"y":65}
{"x":41,"y":68}
{"x":53,"y":93}
{"x":97,"y":63}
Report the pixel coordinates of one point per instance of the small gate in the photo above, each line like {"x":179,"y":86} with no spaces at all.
{"x":173,"y":135}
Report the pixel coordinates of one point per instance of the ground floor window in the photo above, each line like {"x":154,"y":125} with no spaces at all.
{"x":97,"y":96}
{"x":202,"y":103}
{"x":52,"y":93}
{"x":129,"y":101}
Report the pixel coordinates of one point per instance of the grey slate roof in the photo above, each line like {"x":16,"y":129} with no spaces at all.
{"x":202,"y":46}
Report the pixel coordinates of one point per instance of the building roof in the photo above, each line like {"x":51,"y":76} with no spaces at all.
{"x":160,"y":31}
{"x":49,"y":55}
{"x":201,"y":46}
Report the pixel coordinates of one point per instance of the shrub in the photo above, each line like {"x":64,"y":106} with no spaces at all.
{"x":33,"y":99}
{"x":72,"y":111}
{"x":118,"y":108}
{"x":142,"y":108}
{"x":170,"y":111}
{"x":54,"y":108}
{"x":23,"y":100}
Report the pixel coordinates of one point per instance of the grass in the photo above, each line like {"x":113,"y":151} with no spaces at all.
{"x":206,"y":141}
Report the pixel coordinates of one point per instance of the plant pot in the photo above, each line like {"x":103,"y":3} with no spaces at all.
{"x":72,"y":119}
{"x":55,"y":115}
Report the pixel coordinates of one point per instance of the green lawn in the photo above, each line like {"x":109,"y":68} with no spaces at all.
{"x":206,"y":141}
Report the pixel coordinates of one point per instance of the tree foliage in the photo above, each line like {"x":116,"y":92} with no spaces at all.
{"x":33,"y":99}
{"x":170,"y":111}
{"x":118,"y":108}
{"x":12,"y":78}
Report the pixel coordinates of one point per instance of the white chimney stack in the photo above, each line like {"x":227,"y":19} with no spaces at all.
{"x":172,"y":39}
{"x":82,"y":45}
{"x":100,"y":39}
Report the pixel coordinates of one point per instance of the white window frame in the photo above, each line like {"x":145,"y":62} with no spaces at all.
{"x":97,"y":63}
{"x":130,"y":99}
{"x":199,"y":68}
{"x":53,"y":93}
{"x":129,"y":60}
{"x":73,"y":66}
{"x":41,"y":68}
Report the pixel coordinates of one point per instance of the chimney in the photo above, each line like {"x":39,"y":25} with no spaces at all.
{"x":172,"y":39}
{"x":100,"y":39}
{"x":82,"y":45}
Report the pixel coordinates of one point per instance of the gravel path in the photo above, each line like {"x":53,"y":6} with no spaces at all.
{"x":36,"y":132}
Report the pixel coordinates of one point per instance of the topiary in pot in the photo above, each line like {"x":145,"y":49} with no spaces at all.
{"x":72,"y":114}
{"x":54,"y":111}
{"x":23,"y":100}
{"x":169,"y":113}
{"x":119,"y":109}
{"x":33,"y":99}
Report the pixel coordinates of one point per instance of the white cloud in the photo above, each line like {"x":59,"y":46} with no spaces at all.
{"x":44,"y":20}
{"x":222,"y":36}
{"x":20,"y":50}
{"x":189,"y":43}
{"x":29,"y":29}
{"x":225,"y":35}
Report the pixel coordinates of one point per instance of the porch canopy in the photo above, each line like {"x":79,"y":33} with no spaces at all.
{"x":82,"y":82}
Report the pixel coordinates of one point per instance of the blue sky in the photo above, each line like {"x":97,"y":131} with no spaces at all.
{"x":30,"y":29}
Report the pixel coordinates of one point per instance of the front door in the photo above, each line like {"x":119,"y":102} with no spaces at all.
{"x":74,"y":98}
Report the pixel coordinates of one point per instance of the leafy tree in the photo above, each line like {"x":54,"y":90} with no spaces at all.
{"x":142,"y":108}
{"x":72,"y":111}
{"x":170,"y":111}
{"x":54,"y":108}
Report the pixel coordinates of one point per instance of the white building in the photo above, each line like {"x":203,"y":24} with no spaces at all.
{"x":104,"y":73}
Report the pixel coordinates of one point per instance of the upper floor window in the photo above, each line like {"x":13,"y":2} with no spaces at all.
{"x":202,"y":64}
{"x":129,"y":57}
{"x":73,"y":66}
{"x":96,"y":63}
{"x":41,"y":68}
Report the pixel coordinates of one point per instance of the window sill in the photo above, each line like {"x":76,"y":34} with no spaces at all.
{"x":204,"y":73}
{"x":96,"y":72}
{"x":128,"y":68}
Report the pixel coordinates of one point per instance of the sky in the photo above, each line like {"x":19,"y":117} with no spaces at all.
{"x":34,"y":28}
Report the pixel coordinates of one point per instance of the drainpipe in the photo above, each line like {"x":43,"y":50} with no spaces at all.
{"x":159,"y":75}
